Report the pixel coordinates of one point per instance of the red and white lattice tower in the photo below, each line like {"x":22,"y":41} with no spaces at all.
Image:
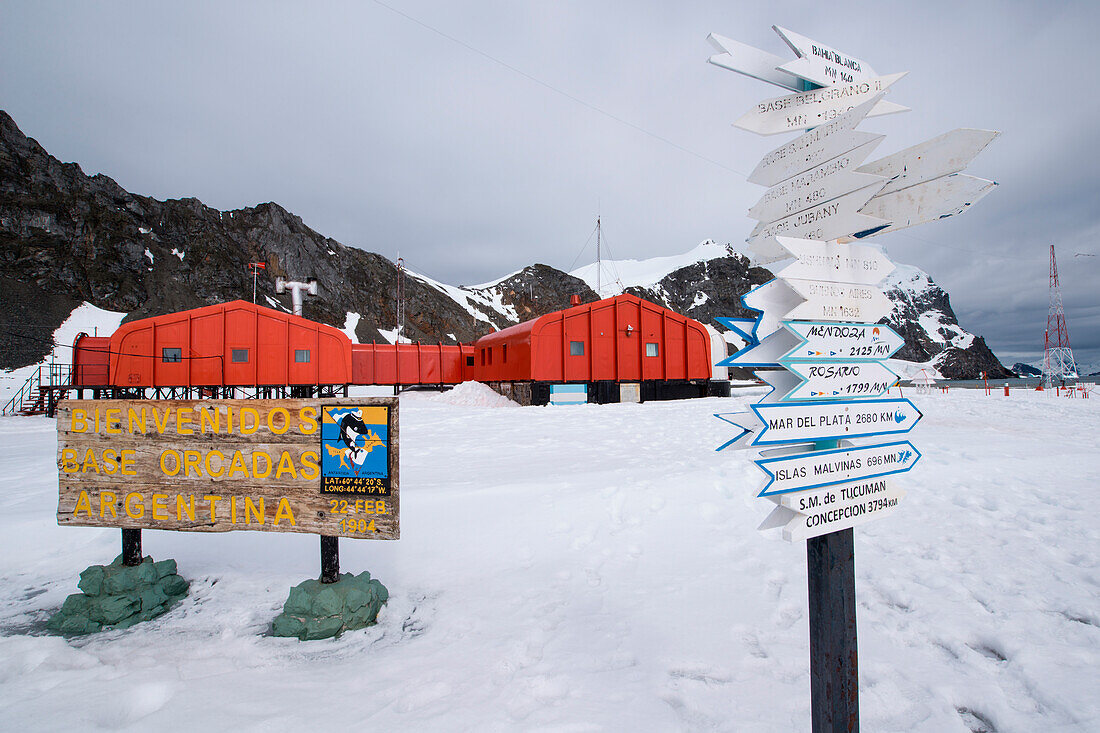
{"x":1058,"y":363}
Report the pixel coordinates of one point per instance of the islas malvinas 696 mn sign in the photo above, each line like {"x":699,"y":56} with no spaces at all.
{"x":824,"y":468}
{"x":321,"y":466}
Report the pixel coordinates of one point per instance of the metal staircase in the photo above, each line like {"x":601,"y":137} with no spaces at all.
{"x":39,"y":394}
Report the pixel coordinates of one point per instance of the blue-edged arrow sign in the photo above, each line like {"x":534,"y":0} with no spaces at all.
{"x":782,"y":383}
{"x":764,"y":354}
{"x":840,"y":380}
{"x":841,"y":341}
{"x":819,"y":469}
{"x":799,"y":423}
{"x":745,"y":328}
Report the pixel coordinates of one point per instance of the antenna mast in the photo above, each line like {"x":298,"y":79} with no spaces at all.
{"x":1058,"y":363}
{"x":400,"y":300}
{"x":599,"y":288}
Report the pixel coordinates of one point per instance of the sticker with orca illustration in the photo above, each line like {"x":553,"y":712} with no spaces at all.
{"x":355,"y":450}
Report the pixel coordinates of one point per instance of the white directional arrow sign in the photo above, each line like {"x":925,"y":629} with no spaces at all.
{"x":831,"y":518}
{"x":816,"y":146}
{"x":817,"y":106}
{"x":839,"y":380}
{"x":766,"y":353}
{"x":753,"y":62}
{"x":823,"y":62}
{"x":821,"y":183}
{"x":781,"y":381}
{"x":829,"y":467}
{"x":830,"y":220}
{"x":827,"y":301}
{"x":841,"y":341}
{"x":835,"y":262}
{"x":925,"y":202}
{"x":835,"y":497}
{"x":941,"y":156}
{"x":799,"y":423}
{"x":774,"y":299}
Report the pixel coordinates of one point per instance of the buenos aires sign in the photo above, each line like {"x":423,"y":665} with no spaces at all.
{"x":319,"y":466}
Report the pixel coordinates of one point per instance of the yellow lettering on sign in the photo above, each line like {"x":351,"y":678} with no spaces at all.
{"x":107,"y":501}
{"x":162,"y":426}
{"x":213,"y":499}
{"x":83,"y":502}
{"x":284,"y":511}
{"x":210,"y":417}
{"x":307,"y":420}
{"x":132,"y":417}
{"x":210,"y":471}
{"x":233,"y":509}
{"x":68,"y":460}
{"x":229,"y":427}
{"x":128,"y":457}
{"x":284,"y":424}
{"x":188,"y":508}
{"x":184,"y":419}
{"x":111,"y":461}
{"x":133,"y":513}
{"x":310,"y":469}
{"x":164,"y":467}
{"x":250,"y":508}
{"x":238,"y":465}
{"x":109,"y":420}
{"x":286,"y":465}
{"x":89,"y":460}
{"x":249,"y":429}
{"x":256,"y":464}
{"x":191,"y":461}
{"x":80,"y":421}
{"x":160,"y":505}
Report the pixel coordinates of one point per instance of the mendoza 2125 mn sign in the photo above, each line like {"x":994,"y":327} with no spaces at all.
{"x":318,"y":466}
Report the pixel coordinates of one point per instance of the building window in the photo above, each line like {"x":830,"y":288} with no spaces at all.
{"x":469,"y":361}
{"x":171,"y":355}
{"x":240,"y":356}
{"x":651,"y":349}
{"x":576,"y":348}
{"x":301,"y":356}
{"x":490,"y":350}
{"x":504,"y":353}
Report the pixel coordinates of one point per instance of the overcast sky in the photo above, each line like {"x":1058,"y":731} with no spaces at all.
{"x":476,"y":138}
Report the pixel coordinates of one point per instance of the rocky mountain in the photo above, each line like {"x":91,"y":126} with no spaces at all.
{"x":1020,"y":369}
{"x":68,"y":238}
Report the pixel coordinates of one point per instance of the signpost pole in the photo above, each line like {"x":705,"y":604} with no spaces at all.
{"x":131,"y":546}
{"x":834,"y":683}
{"x":330,"y":559}
{"x":831,"y":586}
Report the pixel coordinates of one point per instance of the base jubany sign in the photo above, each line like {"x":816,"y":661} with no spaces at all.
{"x":316,"y":466}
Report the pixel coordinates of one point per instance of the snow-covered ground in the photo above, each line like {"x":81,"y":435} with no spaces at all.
{"x":596,"y":568}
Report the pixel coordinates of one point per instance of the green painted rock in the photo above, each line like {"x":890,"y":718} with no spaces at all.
{"x":315,"y":610}
{"x":119,"y":596}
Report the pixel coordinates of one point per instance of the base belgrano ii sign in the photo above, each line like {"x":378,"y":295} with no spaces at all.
{"x":319,"y":466}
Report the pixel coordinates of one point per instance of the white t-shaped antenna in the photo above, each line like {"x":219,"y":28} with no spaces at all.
{"x":296,"y":289}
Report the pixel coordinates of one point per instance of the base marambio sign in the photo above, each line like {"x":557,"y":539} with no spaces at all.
{"x":307,"y":465}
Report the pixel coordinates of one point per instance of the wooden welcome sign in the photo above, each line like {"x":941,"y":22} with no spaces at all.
{"x":320,"y":466}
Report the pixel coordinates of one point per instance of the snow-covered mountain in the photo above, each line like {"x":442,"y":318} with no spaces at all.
{"x":68,"y":239}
